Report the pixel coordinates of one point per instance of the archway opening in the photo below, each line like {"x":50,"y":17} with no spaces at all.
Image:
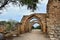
{"x":36,"y":26}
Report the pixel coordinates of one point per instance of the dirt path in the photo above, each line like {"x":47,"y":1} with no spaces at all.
{"x":34,"y":35}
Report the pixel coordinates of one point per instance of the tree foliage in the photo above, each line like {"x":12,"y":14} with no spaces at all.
{"x":9,"y":24}
{"x":30,"y":3}
{"x":2,"y":22}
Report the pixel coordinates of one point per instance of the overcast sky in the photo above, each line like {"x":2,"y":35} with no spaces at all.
{"x":16,"y":13}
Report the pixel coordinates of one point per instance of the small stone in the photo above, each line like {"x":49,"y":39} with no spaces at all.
{"x":52,"y":38}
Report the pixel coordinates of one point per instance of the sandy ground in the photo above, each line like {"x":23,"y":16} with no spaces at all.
{"x":33,"y":35}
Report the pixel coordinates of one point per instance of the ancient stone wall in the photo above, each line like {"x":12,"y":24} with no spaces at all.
{"x":53,"y":22}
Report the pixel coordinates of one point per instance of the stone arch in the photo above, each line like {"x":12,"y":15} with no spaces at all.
{"x":29,"y":18}
{"x":40,"y":17}
{"x":32,"y":23}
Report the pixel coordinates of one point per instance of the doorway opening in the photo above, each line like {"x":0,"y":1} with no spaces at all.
{"x":35,"y":24}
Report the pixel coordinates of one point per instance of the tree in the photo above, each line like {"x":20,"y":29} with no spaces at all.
{"x":10,"y":25}
{"x":30,"y":3}
{"x":3,"y":3}
{"x":3,"y":22}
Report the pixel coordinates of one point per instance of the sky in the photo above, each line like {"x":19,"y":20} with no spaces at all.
{"x":16,"y":12}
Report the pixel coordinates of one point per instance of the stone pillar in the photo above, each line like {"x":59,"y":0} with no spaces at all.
{"x":30,"y":27}
{"x":44,"y":27}
{"x":27,"y":27}
{"x":22,"y":29}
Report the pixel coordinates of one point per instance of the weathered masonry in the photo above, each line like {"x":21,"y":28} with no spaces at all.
{"x":41,"y":19}
{"x":50,"y":22}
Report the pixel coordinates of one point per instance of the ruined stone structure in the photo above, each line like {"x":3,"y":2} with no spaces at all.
{"x":50,"y":22}
{"x":41,"y":19}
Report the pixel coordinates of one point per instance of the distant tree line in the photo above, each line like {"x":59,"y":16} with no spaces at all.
{"x":38,"y":27}
{"x":9,"y":24}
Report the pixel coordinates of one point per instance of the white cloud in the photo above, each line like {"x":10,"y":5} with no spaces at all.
{"x":43,"y":1}
{"x":16,"y":13}
{"x":3,"y":20}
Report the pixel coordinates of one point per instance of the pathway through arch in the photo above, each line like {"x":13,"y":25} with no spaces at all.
{"x":35,"y":34}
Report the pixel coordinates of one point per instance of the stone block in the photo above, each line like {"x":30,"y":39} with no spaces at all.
{"x":52,"y":38}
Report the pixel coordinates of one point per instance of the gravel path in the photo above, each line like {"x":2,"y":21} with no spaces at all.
{"x":33,"y":35}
